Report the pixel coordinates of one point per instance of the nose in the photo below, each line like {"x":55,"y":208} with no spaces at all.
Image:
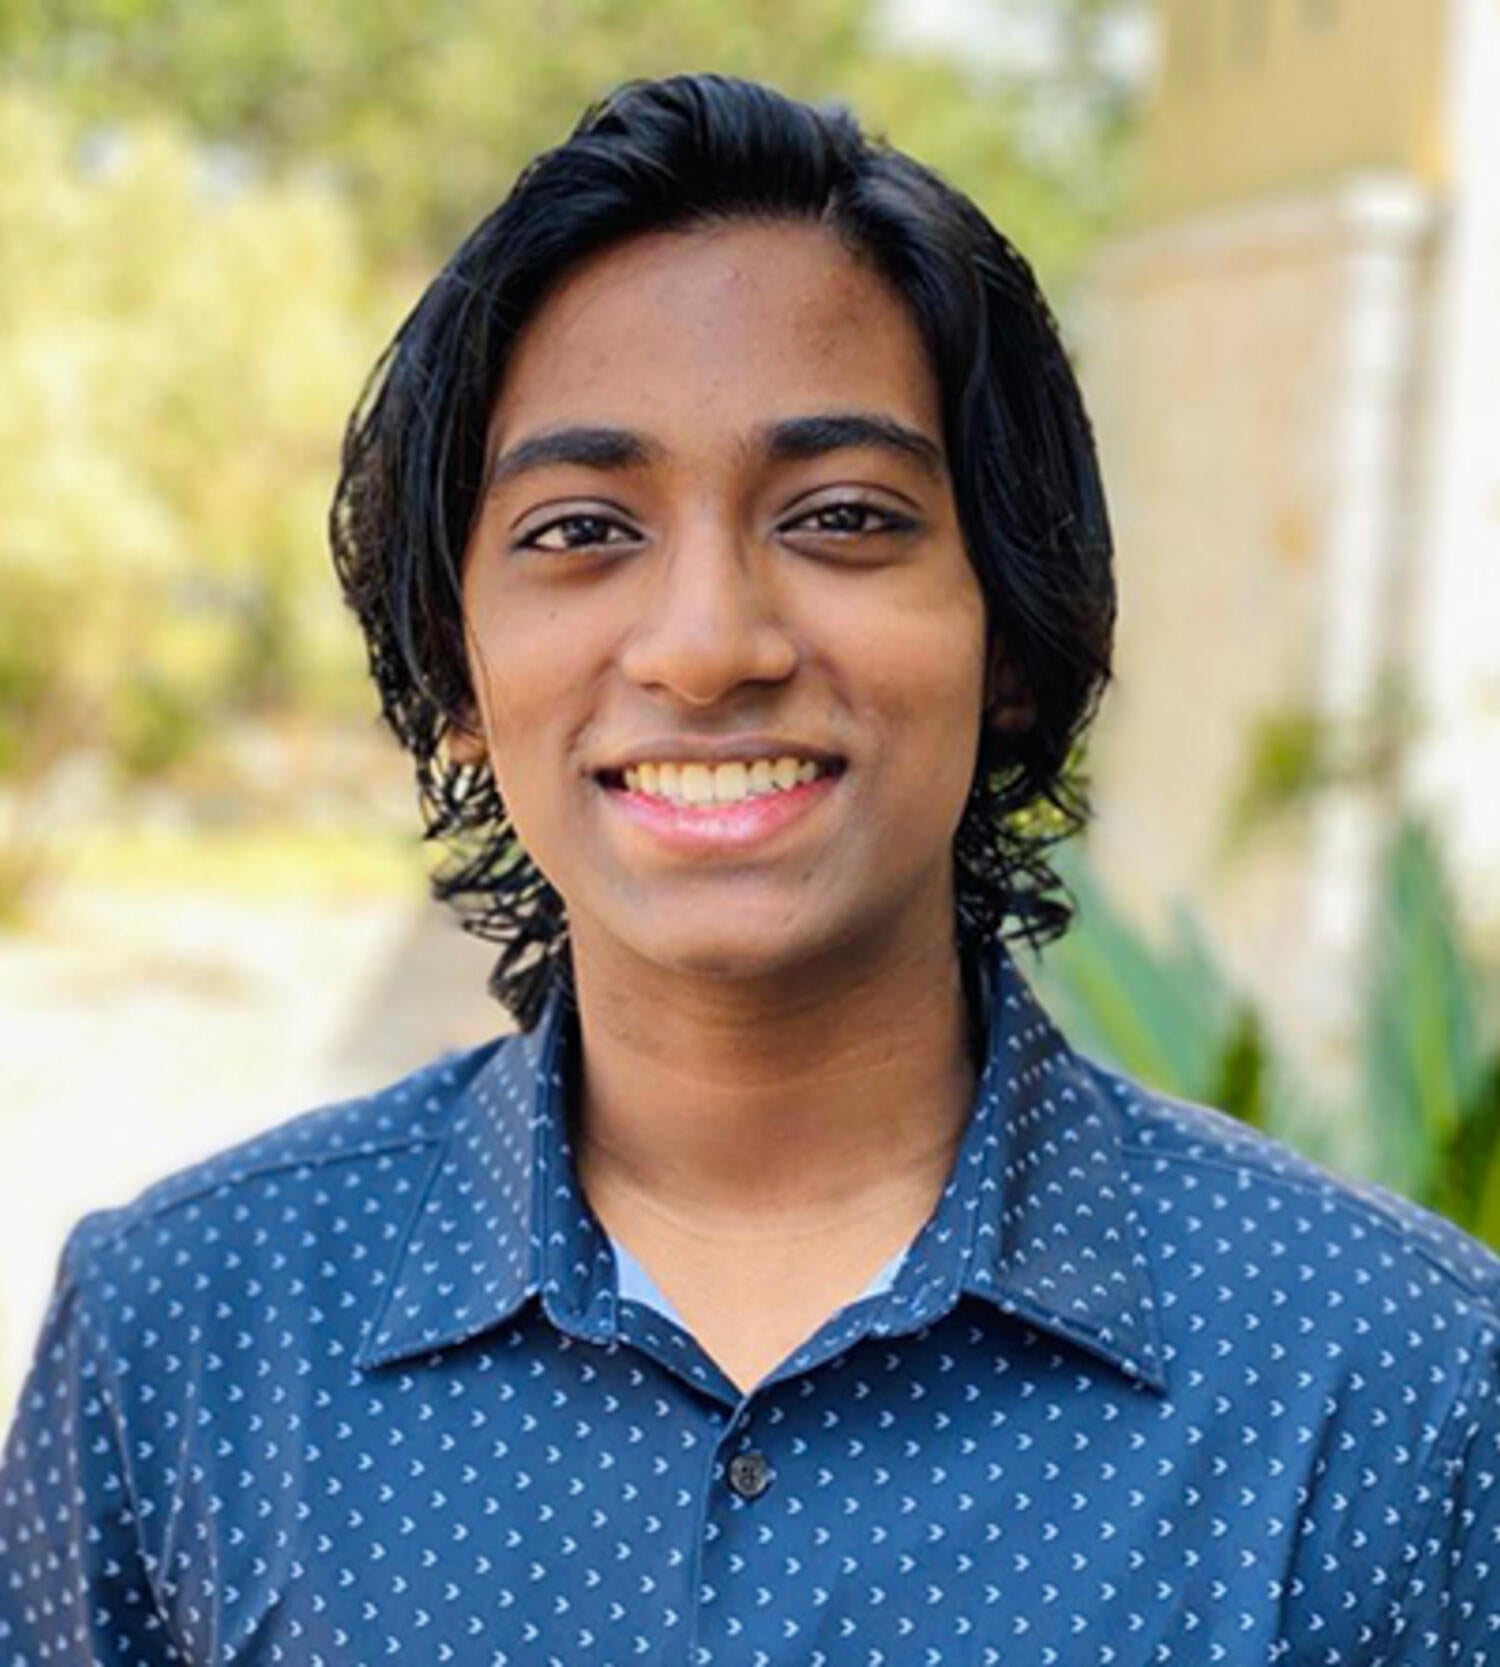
{"x":712,"y":623}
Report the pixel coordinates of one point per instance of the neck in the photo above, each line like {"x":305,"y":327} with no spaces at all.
{"x":756,"y":1110}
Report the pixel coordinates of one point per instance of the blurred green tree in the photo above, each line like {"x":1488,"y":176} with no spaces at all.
{"x":423,"y":113}
{"x":177,"y":359}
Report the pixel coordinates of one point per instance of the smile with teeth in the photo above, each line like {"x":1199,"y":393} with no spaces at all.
{"x":721,"y":784}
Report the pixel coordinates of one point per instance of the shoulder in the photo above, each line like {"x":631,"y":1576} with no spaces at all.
{"x":358,"y":1157}
{"x":1344,"y":1343}
{"x":1247,"y":1190}
{"x":1270,"y":1273}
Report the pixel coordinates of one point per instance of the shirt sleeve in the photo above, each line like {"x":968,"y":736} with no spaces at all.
{"x":73,"y":1586}
{"x":1450,"y":1608}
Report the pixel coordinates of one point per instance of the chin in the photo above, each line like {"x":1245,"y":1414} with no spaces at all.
{"x":735,"y":940}
{"x":717,"y":958}
{"x":735,"y":946}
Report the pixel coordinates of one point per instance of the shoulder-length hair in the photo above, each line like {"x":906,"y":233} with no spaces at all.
{"x":671,"y":154}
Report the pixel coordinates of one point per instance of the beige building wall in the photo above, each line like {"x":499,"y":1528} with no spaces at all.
{"x":1254,"y":378}
{"x":1260,"y":97}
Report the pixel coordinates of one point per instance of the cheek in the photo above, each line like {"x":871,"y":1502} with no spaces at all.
{"x":950,"y":720}
{"x":928,"y":682}
{"x":934,"y":648}
{"x":520,"y":678}
{"x":523,"y":643}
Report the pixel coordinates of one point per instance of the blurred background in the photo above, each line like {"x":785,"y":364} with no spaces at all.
{"x":1271,"y":229}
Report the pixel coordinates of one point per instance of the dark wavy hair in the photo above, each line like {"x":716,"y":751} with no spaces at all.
{"x":671,"y":154}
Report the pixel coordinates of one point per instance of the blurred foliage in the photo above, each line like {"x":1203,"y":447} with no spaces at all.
{"x":1428,"y":1115}
{"x":1165,"y":1014}
{"x":1293,"y":754}
{"x":422,"y":114}
{"x":177,"y":360}
{"x":1431,"y":1058}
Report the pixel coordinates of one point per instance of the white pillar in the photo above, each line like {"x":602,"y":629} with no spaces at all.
{"x":1383,"y":222}
{"x":1454,"y":769}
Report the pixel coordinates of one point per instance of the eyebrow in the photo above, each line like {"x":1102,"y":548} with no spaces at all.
{"x":794,"y":439}
{"x":803,"y":437}
{"x":592,"y":448}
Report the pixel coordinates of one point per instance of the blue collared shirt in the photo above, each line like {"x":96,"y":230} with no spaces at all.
{"x":1145,"y":1388}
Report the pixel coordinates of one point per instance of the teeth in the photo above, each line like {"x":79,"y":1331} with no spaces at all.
{"x":723,"y":784}
{"x":697,"y":784}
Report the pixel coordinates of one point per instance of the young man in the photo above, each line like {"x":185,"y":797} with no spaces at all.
{"x":726,"y":531}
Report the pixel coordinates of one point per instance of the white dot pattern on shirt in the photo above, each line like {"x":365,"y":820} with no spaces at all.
{"x":1146,"y":1388}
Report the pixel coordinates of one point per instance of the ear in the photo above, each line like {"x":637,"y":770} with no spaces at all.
{"x":1007,"y":703}
{"x":463,"y":740}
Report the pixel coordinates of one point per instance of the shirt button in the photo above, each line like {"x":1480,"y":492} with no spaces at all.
{"x":750,"y":1474}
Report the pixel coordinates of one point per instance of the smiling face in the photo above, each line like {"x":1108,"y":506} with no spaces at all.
{"x":726,"y":645}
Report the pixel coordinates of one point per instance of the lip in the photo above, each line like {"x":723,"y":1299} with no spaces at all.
{"x":715,"y":828}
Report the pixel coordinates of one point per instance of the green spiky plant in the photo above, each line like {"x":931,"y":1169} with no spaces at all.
{"x":1164,"y":1014}
{"x":1431,"y":1079}
{"x":1429,"y":1094}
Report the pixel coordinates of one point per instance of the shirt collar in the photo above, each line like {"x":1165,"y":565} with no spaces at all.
{"x":1037,"y":1218}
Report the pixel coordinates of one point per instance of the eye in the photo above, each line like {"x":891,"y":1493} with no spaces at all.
{"x":851,"y":519}
{"x":575,"y":532}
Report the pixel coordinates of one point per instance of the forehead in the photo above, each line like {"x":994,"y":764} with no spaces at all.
{"x":717,"y":329}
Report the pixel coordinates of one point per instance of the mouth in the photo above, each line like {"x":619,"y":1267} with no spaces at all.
{"x":702,"y":809}
{"x":704,"y":784}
